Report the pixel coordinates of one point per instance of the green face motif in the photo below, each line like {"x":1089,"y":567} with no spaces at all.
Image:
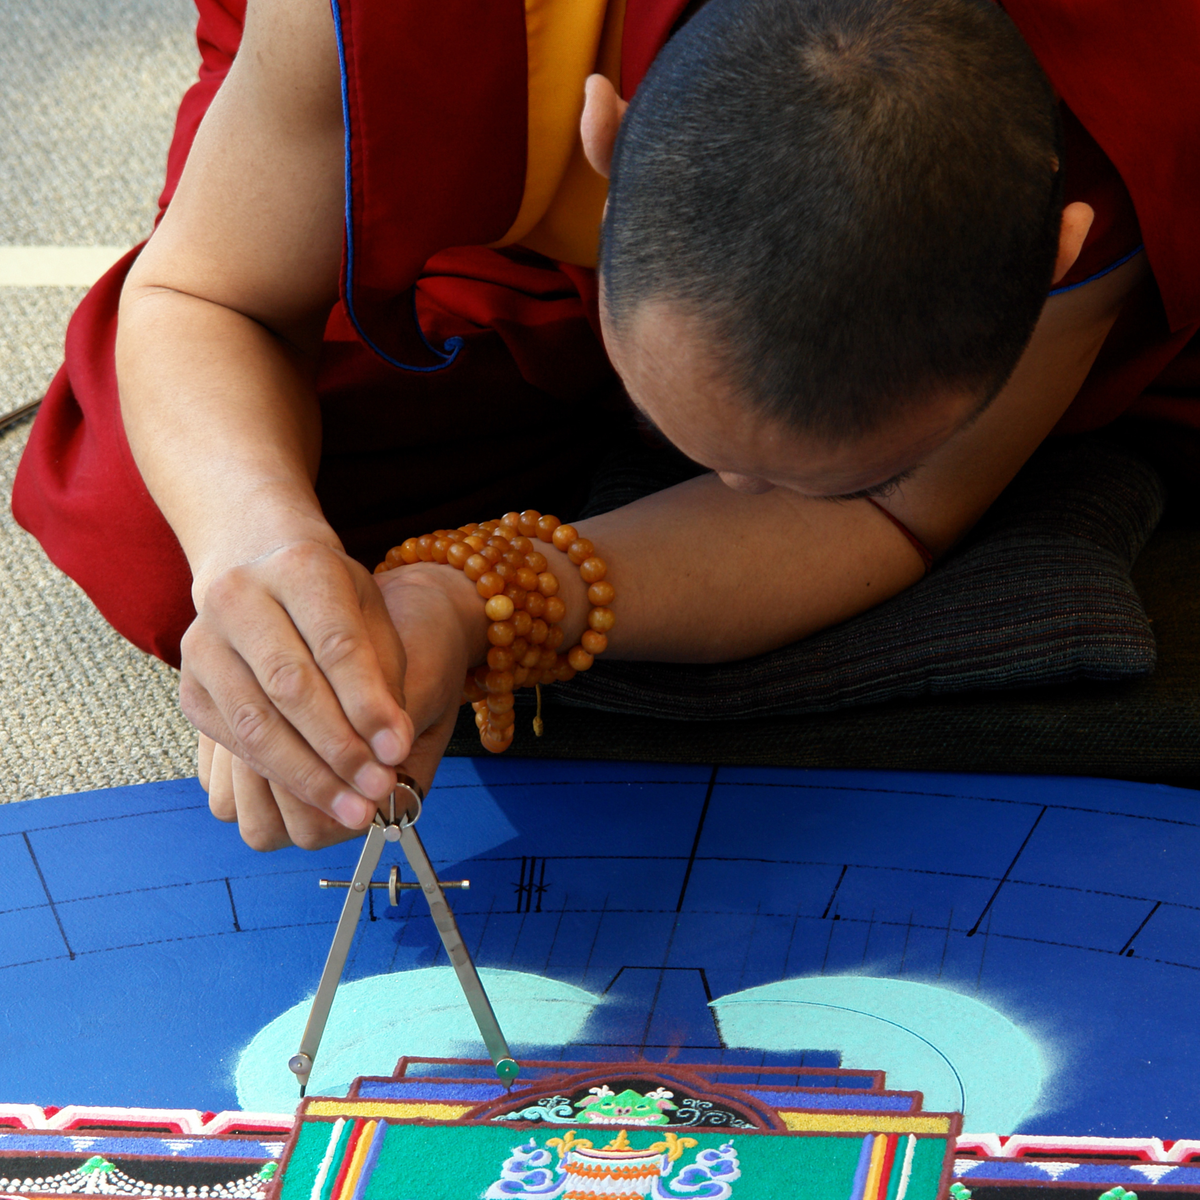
{"x":627,"y":1107}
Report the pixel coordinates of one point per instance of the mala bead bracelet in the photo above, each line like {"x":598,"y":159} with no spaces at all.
{"x":521,"y":602}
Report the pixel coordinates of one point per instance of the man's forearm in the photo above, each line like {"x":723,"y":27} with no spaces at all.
{"x":223,"y":424}
{"x":706,"y":574}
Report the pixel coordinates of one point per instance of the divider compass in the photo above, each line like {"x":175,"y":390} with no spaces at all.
{"x":408,"y":797}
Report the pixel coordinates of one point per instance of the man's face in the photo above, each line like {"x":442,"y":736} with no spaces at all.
{"x":670,"y":376}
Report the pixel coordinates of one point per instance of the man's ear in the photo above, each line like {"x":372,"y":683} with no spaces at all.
{"x":602,"y":113}
{"x":1077,"y":219}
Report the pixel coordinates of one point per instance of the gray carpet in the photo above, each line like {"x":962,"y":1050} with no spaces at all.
{"x":87,"y":92}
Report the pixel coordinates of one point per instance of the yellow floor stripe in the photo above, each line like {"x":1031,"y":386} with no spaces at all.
{"x":55,"y":266}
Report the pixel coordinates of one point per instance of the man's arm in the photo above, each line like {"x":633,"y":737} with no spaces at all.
{"x":292,"y":660}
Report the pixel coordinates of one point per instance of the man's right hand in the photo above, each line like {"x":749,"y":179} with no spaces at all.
{"x":294,"y":666}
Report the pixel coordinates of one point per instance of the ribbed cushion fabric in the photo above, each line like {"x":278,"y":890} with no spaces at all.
{"x":1040,"y":593}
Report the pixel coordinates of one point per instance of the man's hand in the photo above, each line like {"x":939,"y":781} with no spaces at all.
{"x":293,"y":664}
{"x":437,"y":612}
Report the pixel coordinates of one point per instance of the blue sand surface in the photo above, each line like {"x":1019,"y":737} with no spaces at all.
{"x":143,"y":947}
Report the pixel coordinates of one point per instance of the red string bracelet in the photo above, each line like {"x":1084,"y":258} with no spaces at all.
{"x":918,"y":545}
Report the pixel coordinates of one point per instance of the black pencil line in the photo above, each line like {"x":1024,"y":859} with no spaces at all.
{"x":1145,"y":922}
{"x":233,"y":908}
{"x":828,"y":943}
{"x":37,"y":866}
{"x":836,"y":887}
{"x":987,"y":908}
{"x":867,"y":943}
{"x":946,"y":943}
{"x":907,"y":935}
{"x":687,"y":874}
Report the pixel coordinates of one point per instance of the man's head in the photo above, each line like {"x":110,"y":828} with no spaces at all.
{"x":842,"y":216}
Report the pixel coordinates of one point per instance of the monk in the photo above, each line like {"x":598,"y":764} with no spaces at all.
{"x":858,"y":260}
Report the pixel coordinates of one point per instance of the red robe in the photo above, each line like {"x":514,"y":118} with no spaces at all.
{"x":438,"y":150}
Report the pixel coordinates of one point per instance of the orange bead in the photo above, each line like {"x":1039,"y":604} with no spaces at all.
{"x":593,"y":642}
{"x":506,"y":571}
{"x":491,"y":553}
{"x":501,"y":633}
{"x":487,"y":528}
{"x":501,"y":658}
{"x":601,"y":594}
{"x":511,"y":518}
{"x":546,"y":526}
{"x":592,"y":570}
{"x":555,"y":637}
{"x":499,"y":682}
{"x":502,"y":702}
{"x":520,"y":645}
{"x":579,"y":658}
{"x":379,"y":570}
{"x":580,"y":550}
{"x":481,"y":674}
{"x":480,"y":721}
{"x":537,"y":635}
{"x":528,"y":523}
{"x":480,"y":706}
{"x":522,"y":545}
{"x":536,"y":561}
{"x":520,"y":675}
{"x":602,"y":619}
{"x":527,"y":579}
{"x":489,"y":584}
{"x":564,"y":673}
{"x":476,"y":542}
{"x":522,"y":623}
{"x":471,"y":690}
{"x":475,"y":567}
{"x":516,"y":558}
{"x":457,"y":554}
{"x":498,"y":608}
{"x":502,"y":720}
{"x":563,"y":536}
{"x":408,"y":550}
{"x":496,"y":742}
{"x":530,"y":658}
{"x":555,"y":610}
{"x":440,"y":546}
{"x":535,"y":604}
{"x":425,"y":547}
{"x":393,"y":558}
{"x":548,"y":583}
{"x":547,"y":660}
{"x":500,"y":543}
{"x":515,"y":594}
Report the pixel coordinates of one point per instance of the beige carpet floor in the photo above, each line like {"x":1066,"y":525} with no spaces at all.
{"x":88,"y":90}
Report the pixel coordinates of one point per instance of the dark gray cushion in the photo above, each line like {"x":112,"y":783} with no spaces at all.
{"x":1039,"y":593}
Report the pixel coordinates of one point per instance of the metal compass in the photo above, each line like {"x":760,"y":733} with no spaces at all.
{"x":400,"y":829}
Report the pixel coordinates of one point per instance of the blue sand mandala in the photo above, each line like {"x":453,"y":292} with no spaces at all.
{"x":1026,"y":950}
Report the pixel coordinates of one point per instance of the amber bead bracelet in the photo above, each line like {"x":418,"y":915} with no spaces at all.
{"x":521,"y":602}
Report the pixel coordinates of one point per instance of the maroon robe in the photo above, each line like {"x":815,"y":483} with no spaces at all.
{"x":437,"y":150}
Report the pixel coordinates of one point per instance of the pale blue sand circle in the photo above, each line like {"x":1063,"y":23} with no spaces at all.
{"x":961,"y":1054}
{"x":376,"y":1020}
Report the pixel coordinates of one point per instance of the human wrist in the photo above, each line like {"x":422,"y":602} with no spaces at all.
{"x":460,"y":594}
{"x":258,"y":530}
{"x":508,"y":561}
